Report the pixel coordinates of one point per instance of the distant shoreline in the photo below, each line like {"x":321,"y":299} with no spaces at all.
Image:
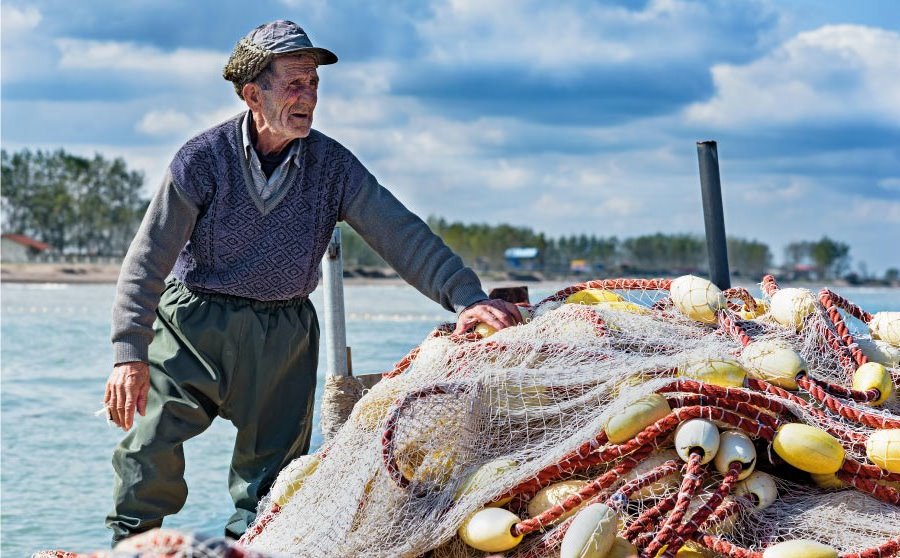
{"x":84,"y":273}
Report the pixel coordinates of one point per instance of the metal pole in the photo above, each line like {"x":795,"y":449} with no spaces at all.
{"x":713,"y":216}
{"x":335,"y":329}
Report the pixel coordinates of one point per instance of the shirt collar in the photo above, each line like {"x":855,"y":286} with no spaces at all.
{"x":250,"y":152}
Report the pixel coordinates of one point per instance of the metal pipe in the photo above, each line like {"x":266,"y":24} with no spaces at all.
{"x":335,"y":327}
{"x":713,"y":216}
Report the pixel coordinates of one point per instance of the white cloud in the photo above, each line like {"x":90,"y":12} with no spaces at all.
{"x":191,"y":64}
{"x":15,"y":20}
{"x":837,"y":73}
{"x":890,"y":184}
{"x":164,"y":122}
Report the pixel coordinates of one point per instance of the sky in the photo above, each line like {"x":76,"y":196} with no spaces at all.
{"x":571,"y":117}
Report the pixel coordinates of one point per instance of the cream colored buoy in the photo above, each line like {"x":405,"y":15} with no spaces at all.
{"x":660,"y":487}
{"x":873,"y":375}
{"x":789,"y":307}
{"x":774,"y":362}
{"x":734,"y":445}
{"x":879,"y":351}
{"x":697,"y":298}
{"x":622,"y":427}
{"x":591,"y":533}
{"x":697,"y":435}
{"x":490,"y":530}
{"x":886,"y":326}
{"x":883,"y":449}
{"x":718,"y":372}
{"x":622,"y":548}
{"x":800,"y":548}
{"x":593,"y":296}
{"x":292,"y":478}
{"x":808,"y":448}
{"x":485,"y":477}
{"x":760,"y":487}
{"x":553,"y":495}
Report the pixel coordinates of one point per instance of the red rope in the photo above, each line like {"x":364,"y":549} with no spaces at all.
{"x":727,"y":323}
{"x":829,"y":301}
{"x":819,"y":388}
{"x":259,"y":524}
{"x":884,"y":550}
{"x":869,"y":486}
{"x":722,"y":546}
{"x":742,"y":294}
{"x":693,"y":476}
{"x":769,"y":286}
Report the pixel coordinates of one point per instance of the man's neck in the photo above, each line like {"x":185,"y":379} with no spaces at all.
{"x":265,"y":142}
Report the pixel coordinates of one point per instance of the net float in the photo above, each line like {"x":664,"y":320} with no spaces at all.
{"x":761,"y":308}
{"x":490,"y":530}
{"x":886,"y":327}
{"x":635,"y":417}
{"x":697,"y":435}
{"x":484,"y":330}
{"x":830,"y":481}
{"x":485,"y":476}
{"x":552,"y":495}
{"x":873,"y":375}
{"x":660,"y":487}
{"x":773,"y":362}
{"x":719,"y":372}
{"x":808,"y":448}
{"x":623,"y":306}
{"x":591,"y":534}
{"x":879,"y":351}
{"x":800,"y":548}
{"x":697,"y":298}
{"x":734,"y":445}
{"x":789,"y":307}
{"x":593,"y":296}
{"x":622,"y":548}
{"x":694,"y":550}
{"x":291,"y":479}
{"x":883,"y":449}
{"x":760,"y":487}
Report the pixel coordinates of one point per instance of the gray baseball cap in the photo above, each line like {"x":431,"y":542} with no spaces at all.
{"x":259,"y":47}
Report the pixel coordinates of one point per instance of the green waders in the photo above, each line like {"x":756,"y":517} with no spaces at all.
{"x":251,"y":362}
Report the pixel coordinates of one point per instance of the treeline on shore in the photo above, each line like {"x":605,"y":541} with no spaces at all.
{"x":93,"y":206}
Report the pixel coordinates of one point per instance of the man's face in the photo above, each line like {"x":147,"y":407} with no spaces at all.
{"x":289,"y":98}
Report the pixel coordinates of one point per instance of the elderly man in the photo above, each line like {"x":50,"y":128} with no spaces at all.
{"x":241,"y":222}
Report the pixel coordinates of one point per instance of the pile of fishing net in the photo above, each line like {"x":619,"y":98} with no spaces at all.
{"x":625,"y":418}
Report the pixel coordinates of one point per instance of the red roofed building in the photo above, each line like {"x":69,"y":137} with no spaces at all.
{"x":20,"y":248}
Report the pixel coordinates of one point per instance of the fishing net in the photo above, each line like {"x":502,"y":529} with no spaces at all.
{"x":625,"y":418}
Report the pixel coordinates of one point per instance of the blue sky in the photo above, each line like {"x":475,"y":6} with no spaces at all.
{"x":568,"y":117}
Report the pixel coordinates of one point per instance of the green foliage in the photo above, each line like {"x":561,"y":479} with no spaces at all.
{"x":749,"y":258}
{"x":830,"y":258}
{"x":86,"y":206}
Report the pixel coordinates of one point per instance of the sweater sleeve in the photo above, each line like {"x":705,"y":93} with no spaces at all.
{"x":165,"y":229}
{"x":405,"y":242}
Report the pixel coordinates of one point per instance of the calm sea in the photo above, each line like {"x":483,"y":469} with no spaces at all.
{"x":55,"y":472}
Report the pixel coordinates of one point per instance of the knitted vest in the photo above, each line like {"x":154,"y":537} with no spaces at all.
{"x":247,"y":247}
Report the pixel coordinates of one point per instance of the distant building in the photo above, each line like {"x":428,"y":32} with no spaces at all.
{"x":523,"y":259}
{"x":20,"y":248}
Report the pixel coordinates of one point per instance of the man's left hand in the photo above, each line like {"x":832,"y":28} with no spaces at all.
{"x":494,"y":312}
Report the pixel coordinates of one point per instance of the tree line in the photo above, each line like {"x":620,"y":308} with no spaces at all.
{"x":75,"y":204}
{"x":94,"y":206}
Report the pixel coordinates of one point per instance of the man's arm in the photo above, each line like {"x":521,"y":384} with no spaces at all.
{"x":421,"y":258}
{"x":164,"y":231}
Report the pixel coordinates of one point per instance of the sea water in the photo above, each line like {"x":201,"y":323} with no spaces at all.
{"x":55,"y":472}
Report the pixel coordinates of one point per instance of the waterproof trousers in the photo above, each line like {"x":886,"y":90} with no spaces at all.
{"x":251,"y":362}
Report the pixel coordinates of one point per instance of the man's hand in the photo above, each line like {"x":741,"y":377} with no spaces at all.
{"x":494,"y":312}
{"x":127,"y":389}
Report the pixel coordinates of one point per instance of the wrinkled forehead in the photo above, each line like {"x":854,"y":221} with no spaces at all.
{"x":295,"y":64}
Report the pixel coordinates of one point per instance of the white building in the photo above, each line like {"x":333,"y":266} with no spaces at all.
{"x":20,"y":248}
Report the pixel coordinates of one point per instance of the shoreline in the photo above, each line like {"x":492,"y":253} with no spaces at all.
{"x":81,"y":273}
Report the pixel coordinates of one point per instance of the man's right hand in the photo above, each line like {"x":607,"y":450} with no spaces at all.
{"x":126,"y":390}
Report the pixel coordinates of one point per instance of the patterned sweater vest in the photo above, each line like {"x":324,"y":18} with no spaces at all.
{"x":247,"y":247}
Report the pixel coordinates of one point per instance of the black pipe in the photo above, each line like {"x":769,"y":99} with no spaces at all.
{"x":711,"y":188}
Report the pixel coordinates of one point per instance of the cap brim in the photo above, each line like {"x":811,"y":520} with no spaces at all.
{"x":323,"y":55}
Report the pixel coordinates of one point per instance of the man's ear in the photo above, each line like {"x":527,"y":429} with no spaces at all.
{"x":251,"y":95}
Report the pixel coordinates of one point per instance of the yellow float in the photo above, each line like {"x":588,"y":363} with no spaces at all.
{"x":291,"y":479}
{"x":484,"y":477}
{"x":622,"y":548}
{"x":697,"y":298}
{"x":883,"y":449}
{"x":591,"y":534}
{"x":621,"y":427}
{"x":800,"y":548}
{"x":774,"y":362}
{"x":790,"y":307}
{"x":808,"y":448}
{"x":553,"y":495}
{"x":873,"y":375}
{"x":490,"y":530}
{"x":593,"y":296}
{"x":720,"y":372}
{"x":886,"y":326}
{"x":761,"y":308}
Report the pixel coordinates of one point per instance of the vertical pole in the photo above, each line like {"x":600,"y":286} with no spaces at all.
{"x":335,"y":329}
{"x":713,"y":216}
